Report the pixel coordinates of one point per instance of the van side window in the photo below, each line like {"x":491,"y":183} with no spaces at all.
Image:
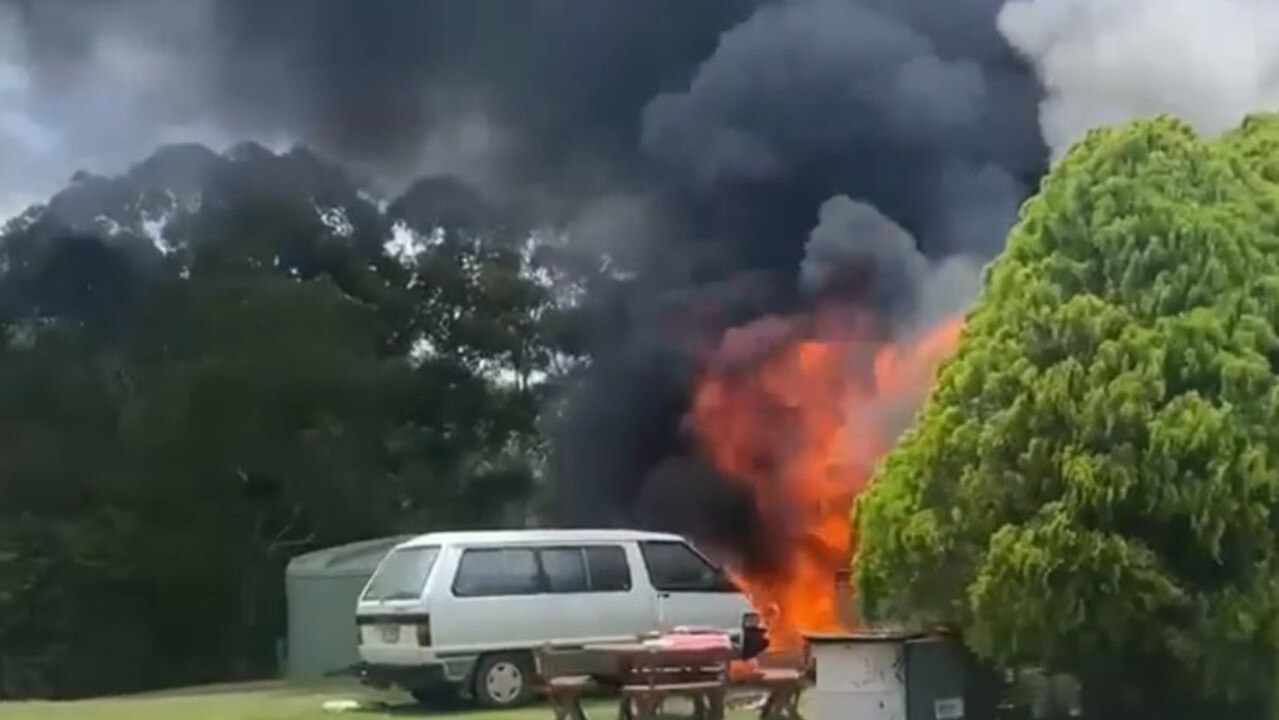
{"x":503,"y":571}
{"x":675,"y":567}
{"x":565,"y":570}
{"x":608,"y":569}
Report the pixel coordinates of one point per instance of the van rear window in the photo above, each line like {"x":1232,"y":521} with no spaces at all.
{"x":403,"y":574}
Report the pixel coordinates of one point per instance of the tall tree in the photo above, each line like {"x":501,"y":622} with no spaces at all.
{"x":183,"y":407}
{"x":63,"y":536}
{"x":258,"y":414}
{"x":1094,"y":483}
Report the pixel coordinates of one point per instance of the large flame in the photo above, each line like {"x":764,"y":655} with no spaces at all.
{"x":803,"y":419}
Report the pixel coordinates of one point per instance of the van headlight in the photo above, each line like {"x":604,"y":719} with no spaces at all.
{"x":751,"y":620}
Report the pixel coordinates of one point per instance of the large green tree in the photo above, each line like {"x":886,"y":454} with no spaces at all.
{"x":173,"y":428}
{"x":1093,"y":484}
{"x":169,"y":473}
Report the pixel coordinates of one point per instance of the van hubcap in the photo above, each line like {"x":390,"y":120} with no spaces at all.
{"x":504,"y":682}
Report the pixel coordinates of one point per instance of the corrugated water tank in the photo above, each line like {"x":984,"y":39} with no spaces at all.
{"x":322,"y":589}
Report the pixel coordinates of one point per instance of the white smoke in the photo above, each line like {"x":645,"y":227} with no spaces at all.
{"x":1104,"y":62}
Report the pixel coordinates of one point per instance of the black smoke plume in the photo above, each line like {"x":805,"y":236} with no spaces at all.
{"x":696,"y":142}
{"x":854,"y":151}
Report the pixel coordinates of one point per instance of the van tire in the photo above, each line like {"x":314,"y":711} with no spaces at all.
{"x":504,"y":680}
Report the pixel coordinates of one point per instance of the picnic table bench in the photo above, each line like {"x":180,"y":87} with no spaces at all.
{"x":653,"y":674}
{"x":783,"y":688}
{"x":650,"y":674}
{"x":566,"y":676}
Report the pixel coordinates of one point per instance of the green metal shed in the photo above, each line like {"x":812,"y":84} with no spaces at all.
{"x":322,"y":588}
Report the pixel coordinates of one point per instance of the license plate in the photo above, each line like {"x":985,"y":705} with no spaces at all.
{"x":948,"y":709}
{"x":390,"y":633}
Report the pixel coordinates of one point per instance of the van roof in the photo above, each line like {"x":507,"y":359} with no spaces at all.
{"x":505,"y":537}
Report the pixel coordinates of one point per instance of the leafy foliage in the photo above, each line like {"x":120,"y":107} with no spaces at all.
{"x":1094,"y":483}
{"x":176,"y":423}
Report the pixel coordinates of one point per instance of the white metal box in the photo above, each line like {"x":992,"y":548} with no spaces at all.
{"x":859,"y":675}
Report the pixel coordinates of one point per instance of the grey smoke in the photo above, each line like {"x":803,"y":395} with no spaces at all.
{"x":620,"y":226}
{"x":703,"y":141}
{"x":854,"y":236}
{"x":854,"y":243}
{"x":805,"y":76}
{"x":977,"y":204}
{"x":515,"y":95}
{"x":578,"y":101}
{"x":918,"y":109}
{"x":949,"y":288}
{"x":1105,"y":62}
{"x":707,"y":137}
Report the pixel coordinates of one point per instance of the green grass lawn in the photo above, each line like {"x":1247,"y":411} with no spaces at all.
{"x":275,"y":702}
{"x":266,"y":703}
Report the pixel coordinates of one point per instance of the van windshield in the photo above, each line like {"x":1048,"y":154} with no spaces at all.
{"x":676,"y":567}
{"x":403,"y":574}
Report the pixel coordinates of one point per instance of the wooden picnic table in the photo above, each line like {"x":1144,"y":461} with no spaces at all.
{"x":651,"y":673}
{"x":782,"y":687}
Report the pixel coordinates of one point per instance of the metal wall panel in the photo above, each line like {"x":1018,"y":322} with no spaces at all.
{"x":936,"y":689}
{"x":863,"y":680}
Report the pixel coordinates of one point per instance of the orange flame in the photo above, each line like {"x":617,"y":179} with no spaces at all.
{"x":804,"y":424}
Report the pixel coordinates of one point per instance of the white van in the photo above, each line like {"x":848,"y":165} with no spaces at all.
{"x":464,"y":610}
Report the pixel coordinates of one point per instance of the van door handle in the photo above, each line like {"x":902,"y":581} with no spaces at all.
{"x":663,"y":595}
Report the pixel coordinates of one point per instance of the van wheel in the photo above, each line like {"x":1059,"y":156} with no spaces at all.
{"x":504,"y":680}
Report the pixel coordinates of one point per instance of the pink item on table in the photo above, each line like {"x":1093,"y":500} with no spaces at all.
{"x":696,"y":630}
{"x":700,"y":640}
